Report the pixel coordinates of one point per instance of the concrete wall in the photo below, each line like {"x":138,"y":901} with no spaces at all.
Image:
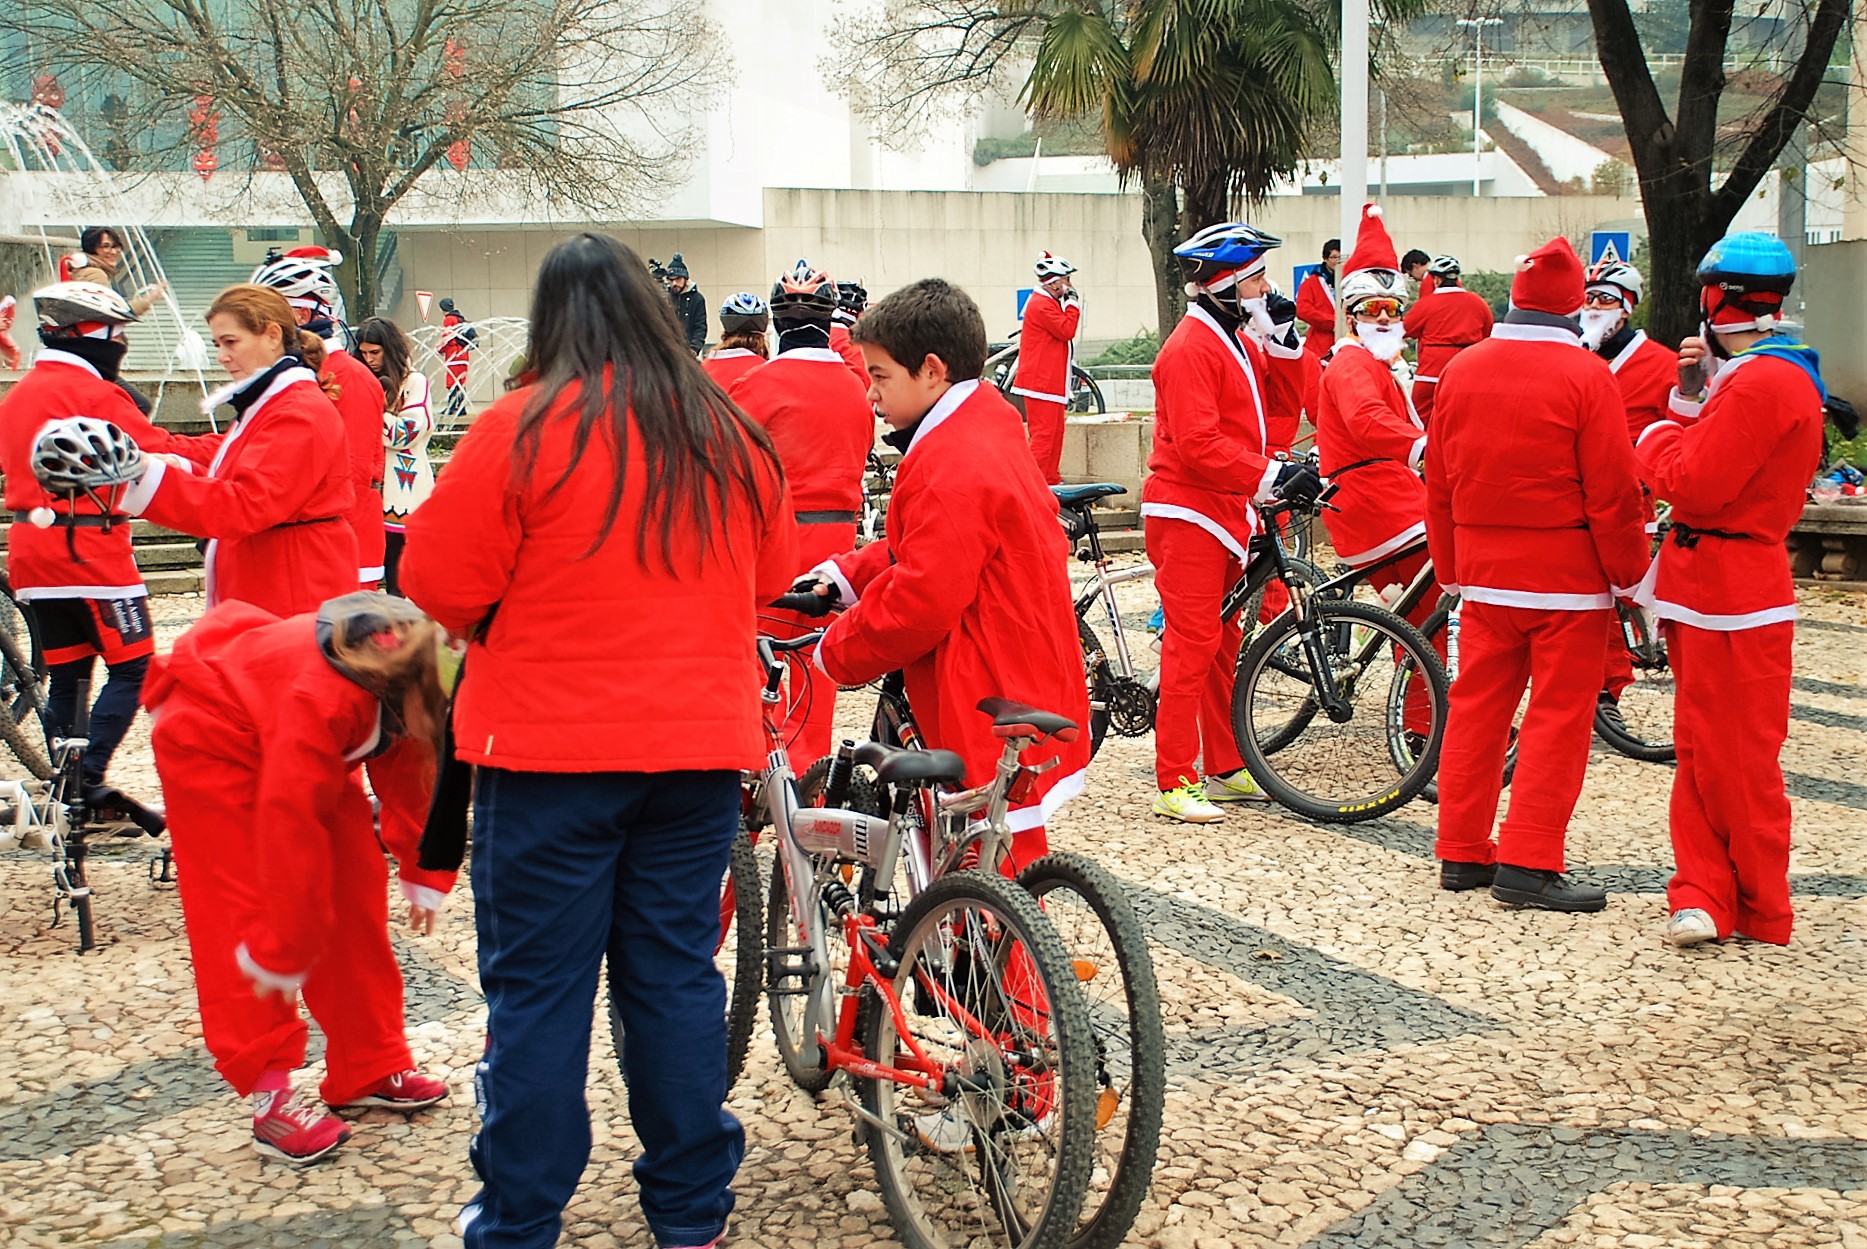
{"x":1833,"y":278}
{"x":984,"y":242}
{"x":1567,"y":156}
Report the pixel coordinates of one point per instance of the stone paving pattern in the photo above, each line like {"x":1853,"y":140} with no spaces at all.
{"x":1355,"y":1059}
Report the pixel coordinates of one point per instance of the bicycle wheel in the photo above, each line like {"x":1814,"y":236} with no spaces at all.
{"x":1434,"y":626}
{"x":1344,"y":767}
{"x":1645,"y":728}
{"x":23,"y":693}
{"x":1109,"y":954}
{"x":1000,"y":1155}
{"x":1101,"y":677}
{"x":740,"y":956}
{"x":1085,"y":395}
{"x":1274,"y":737}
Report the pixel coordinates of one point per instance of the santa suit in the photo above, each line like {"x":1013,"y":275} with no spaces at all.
{"x":1206,"y":470}
{"x":969,"y":596}
{"x":454,"y":352}
{"x":820,"y":422}
{"x":275,"y":501}
{"x":1370,"y":444}
{"x":257,"y":740}
{"x":1737,"y":477}
{"x":1533,"y":513}
{"x":1645,"y":373}
{"x":361,"y":403}
{"x":845,"y":346}
{"x":1445,"y":321}
{"x":85,"y":561}
{"x":1045,"y":354}
{"x":1316,"y":309}
{"x":729,"y":364}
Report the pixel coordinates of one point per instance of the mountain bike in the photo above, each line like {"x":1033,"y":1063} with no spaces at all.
{"x":1001,"y":365}
{"x":954,"y":1011}
{"x":25,"y":724}
{"x":1640,"y":723}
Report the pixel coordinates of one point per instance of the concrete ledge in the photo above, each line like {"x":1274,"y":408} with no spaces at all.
{"x":1113,"y":448}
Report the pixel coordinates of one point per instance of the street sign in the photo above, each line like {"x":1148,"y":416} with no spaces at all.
{"x":1297,"y":274}
{"x":422,"y":299}
{"x":1024,"y":297}
{"x":1615,"y":245}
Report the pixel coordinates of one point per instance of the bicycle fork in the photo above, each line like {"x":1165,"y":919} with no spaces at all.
{"x":1309,"y":629}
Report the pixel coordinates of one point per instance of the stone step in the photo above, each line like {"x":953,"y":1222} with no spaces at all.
{"x":168,"y":555}
{"x":174,"y":580}
{"x":1123,"y":541}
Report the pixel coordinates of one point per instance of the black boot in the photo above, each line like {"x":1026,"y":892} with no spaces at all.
{"x":1545,"y":890}
{"x":1456,"y":877}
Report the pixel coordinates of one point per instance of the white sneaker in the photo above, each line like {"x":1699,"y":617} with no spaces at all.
{"x":1238,"y":787}
{"x":1691,"y":927}
{"x":944,"y":1131}
{"x":1187,"y":804}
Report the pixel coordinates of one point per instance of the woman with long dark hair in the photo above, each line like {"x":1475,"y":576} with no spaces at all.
{"x":407,"y":424}
{"x":605,"y":533}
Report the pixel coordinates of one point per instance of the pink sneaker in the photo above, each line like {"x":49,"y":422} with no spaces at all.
{"x":291,"y":1129}
{"x":405,"y":1090}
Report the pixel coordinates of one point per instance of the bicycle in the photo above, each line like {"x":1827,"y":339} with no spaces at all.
{"x":953,"y":1011}
{"x":1001,"y":365}
{"x":1640,"y":723}
{"x":1087,"y":905}
{"x":878,"y":487}
{"x":25,"y":722}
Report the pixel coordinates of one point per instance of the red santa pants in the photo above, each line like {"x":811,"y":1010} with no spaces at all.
{"x":210,"y":780}
{"x":1419,"y":710}
{"x":1559,"y":655}
{"x":1046,"y":420}
{"x":810,"y":719}
{"x":1198,"y":653}
{"x":1730,"y":815}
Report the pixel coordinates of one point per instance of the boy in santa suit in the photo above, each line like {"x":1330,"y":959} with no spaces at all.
{"x":1370,"y":441}
{"x":1446,"y":320}
{"x":1210,"y":467}
{"x":969,"y":593}
{"x":1533,"y":515}
{"x":260,"y":725}
{"x":1645,"y":373}
{"x":1735,"y":462}
{"x":1045,"y":354}
{"x":823,"y":429}
{"x":852,"y":299}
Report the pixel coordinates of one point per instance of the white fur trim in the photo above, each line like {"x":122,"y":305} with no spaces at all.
{"x":1723,"y":624}
{"x":422,"y":896}
{"x":1024,"y":819}
{"x":817,"y":355}
{"x":1418,"y":453}
{"x":1679,"y":405}
{"x":142,"y":491}
{"x":1413,"y":533}
{"x":828,"y":570}
{"x":28,"y":594}
{"x":1536,"y":334}
{"x":1169,"y":511}
{"x":1656,"y":425}
{"x":271,"y":979}
{"x":1537,"y":599}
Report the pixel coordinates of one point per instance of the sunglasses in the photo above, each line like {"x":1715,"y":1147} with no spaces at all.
{"x":1601,"y":299}
{"x":1378,"y":308}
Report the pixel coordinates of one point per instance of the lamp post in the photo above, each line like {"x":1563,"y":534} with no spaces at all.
{"x":1477,"y":26}
{"x":1354,"y":124}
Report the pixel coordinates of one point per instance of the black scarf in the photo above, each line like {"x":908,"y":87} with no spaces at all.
{"x":103,"y":354}
{"x":795,"y":335}
{"x":1616,"y":343}
{"x":1530,"y":316}
{"x":255,"y":386}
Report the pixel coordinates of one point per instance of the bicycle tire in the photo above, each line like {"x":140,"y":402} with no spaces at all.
{"x":1109,"y":1210}
{"x":989,"y":1207}
{"x":1338,"y":620}
{"x":1650,"y":685}
{"x":1434,"y":626}
{"x":1100,"y":675}
{"x":1085,"y":395}
{"x":741,"y":890}
{"x":24,"y":709}
{"x":1307,"y":574}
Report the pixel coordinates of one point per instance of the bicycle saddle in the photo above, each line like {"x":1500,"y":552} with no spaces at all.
{"x":1011,"y":719}
{"x":896,"y":766}
{"x":1077,"y":496}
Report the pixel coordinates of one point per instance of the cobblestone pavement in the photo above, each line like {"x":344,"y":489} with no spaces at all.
{"x":1355,"y":1058}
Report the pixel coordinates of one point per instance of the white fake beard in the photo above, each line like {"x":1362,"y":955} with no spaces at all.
{"x":1598,"y":325}
{"x":1382,"y":341}
{"x":1258,"y":313}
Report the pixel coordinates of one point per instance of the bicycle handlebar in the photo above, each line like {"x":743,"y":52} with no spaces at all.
{"x":807,"y":603}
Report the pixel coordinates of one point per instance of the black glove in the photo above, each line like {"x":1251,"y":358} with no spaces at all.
{"x":807,"y":603}
{"x":1842,"y":416}
{"x":1297,"y":483}
{"x":1282,"y":309}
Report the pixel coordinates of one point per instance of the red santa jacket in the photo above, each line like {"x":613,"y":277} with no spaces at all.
{"x":1646,"y":373}
{"x":820,"y":420}
{"x":731,"y":364}
{"x":599,"y":660}
{"x":361,"y":404}
{"x":1316,"y":309}
{"x":1741,"y":467}
{"x":1445,"y":322}
{"x":1371,"y":445}
{"x":969,"y":595}
{"x":281,"y":707}
{"x":276,"y":502}
{"x":1531,"y":499}
{"x":455,"y":348}
{"x":1209,"y":462}
{"x":82,"y":562}
{"x":845,"y":346}
{"x":1046,"y":346}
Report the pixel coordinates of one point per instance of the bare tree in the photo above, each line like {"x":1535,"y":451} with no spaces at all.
{"x":581,"y":103}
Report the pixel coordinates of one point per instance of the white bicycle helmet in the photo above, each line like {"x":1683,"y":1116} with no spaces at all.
{"x":1443,"y":266}
{"x":744,"y":312}
{"x":1366,"y":284}
{"x":1052,"y":267}
{"x":1618,"y":275}
{"x":303,"y":275}
{"x":66,"y":305}
{"x":81,"y":453}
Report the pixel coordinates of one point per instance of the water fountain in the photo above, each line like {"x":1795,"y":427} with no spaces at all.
{"x":49,"y":178}
{"x":497,"y":342}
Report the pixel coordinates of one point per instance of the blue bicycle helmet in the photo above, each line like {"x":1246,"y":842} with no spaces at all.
{"x":1229,"y":247}
{"x":744,"y":313}
{"x":1749,"y":261}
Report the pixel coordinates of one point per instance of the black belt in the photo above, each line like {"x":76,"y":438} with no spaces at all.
{"x":1687,"y":536}
{"x":79,"y":519}
{"x":315,"y":520}
{"x":825,"y":518}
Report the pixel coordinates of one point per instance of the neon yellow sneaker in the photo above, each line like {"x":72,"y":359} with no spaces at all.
{"x":1237,"y":787}
{"x":1187,"y":804}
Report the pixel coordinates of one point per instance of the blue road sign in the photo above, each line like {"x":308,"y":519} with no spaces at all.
{"x":1297,"y":274}
{"x":1024,"y":297}
{"x":1610,"y":244}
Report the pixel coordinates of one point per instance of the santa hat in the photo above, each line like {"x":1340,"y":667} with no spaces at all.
{"x":1549,"y":280}
{"x":317,"y":255}
{"x":1373,"y":248}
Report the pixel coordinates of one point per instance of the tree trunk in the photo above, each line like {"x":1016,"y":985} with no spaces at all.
{"x":368,"y":233}
{"x":1160,"y":222}
{"x":1678,"y":236}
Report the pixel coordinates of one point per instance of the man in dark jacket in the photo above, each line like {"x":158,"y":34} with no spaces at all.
{"x":690,"y":306}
